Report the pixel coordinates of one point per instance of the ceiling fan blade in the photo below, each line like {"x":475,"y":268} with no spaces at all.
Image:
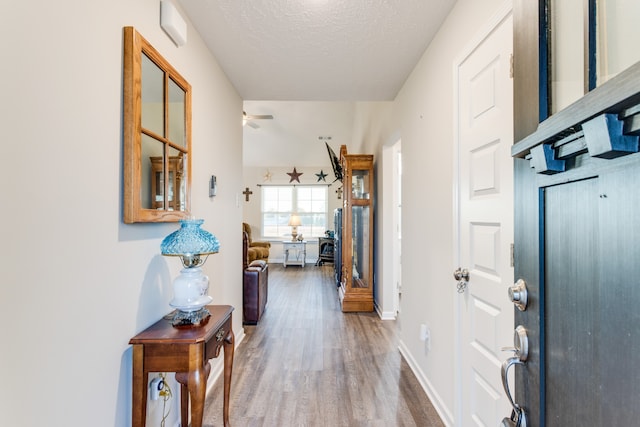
{"x":259,"y":116}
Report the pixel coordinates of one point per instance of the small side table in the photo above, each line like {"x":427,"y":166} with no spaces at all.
{"x":295,"y":252}
{"x":185,"y":351}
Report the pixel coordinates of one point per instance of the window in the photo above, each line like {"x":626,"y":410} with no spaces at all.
{"x":584,"y":44}
{"x":279,"y":202}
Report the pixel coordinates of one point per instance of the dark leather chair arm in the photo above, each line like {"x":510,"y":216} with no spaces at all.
{"x":255,"y":284}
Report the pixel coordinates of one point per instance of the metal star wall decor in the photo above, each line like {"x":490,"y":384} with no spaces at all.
{"x":295,"y":175}
{"x":321,"y":176}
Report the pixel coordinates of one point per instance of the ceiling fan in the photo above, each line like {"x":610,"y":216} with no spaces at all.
{"x":247,"y":119}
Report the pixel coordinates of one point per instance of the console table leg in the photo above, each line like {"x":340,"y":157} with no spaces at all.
{"x":197,"y":385}
{"x":228,"y":368}
{"x":139,"y":388}
{"x":184,"y":404}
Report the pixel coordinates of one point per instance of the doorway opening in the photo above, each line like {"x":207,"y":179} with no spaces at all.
{"x":389,"y":299}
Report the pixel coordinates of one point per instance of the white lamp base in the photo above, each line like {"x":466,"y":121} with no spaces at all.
{"x":190,"y":290}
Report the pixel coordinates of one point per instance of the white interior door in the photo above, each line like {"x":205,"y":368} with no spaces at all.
{"x":485,"y":221}
{"x":397,"y":242}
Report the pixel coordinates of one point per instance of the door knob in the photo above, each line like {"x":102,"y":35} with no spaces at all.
{"x":461,"y":274}
{"x":518,"y":294}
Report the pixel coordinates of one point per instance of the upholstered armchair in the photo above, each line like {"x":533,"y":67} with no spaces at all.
{"x":255,"y":250}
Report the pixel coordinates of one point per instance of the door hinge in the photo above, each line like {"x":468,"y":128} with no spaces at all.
{"x":511,"y":65}
{"x":512,"y":260}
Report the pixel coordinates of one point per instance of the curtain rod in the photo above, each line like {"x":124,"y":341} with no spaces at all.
{"x":294,"y":185}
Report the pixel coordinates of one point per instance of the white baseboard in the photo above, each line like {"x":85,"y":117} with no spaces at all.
{"x":385,"y":315}
{"x":436,"y":400}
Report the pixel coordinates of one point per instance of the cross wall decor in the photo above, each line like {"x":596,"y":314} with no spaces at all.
{"x":247,"y":193}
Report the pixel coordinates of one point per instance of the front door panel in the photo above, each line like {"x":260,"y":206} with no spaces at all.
{"x":572,"y":295}
{"x":620,"y":297}
{"x":578,"y":248}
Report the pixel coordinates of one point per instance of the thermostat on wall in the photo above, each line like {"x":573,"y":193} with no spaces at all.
{"x":212,"y":186}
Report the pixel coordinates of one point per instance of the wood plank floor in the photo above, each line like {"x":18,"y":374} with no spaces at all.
{"x":308,"y":364}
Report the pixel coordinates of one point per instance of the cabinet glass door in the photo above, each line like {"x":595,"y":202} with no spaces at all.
{"x":360,"y":184}
{"x":360,"y":246}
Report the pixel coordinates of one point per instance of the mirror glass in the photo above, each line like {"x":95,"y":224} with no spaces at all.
{"x":152,"y":96}
{"x":152,"y":174}
{"x":157,"y":135}
{"x":175,"y":186}
{"x":177,"y":133}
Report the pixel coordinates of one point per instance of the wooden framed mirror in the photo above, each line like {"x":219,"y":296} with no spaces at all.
{"x":157,"y":135}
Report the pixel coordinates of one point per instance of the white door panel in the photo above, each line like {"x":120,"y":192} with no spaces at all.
{"x":485,"y":223}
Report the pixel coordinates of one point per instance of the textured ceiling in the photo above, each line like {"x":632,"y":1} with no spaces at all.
{"x":317,"y":50}
{"x":307,"y":62}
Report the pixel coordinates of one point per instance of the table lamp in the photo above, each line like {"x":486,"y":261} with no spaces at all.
{"x":190,"y":243}
{"x":294,"y":222}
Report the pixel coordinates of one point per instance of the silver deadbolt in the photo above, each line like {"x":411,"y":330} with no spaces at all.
{"x":518,"y":295}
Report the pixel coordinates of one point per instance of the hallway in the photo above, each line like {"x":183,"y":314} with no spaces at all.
{"x":308,"y":364}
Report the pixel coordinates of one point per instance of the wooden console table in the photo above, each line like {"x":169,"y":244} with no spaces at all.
{"x":185,"y":351}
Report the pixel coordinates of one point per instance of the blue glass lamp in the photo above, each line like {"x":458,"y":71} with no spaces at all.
{"x":193,"y":245}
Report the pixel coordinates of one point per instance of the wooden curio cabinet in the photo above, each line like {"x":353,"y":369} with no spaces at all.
{"x":356,"y":286}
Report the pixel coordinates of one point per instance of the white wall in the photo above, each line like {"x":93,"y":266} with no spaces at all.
{"x":375,"y":127}
{"x":422,"y":118}
{"x":425,"y":108}
{"x":76,"y":282}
